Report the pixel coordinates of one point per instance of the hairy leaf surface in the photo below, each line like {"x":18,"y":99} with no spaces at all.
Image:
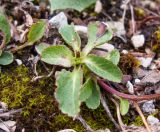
{"x":71,"y":37}
{"x":5,"y":27}
{"x":6,"y":58}
{"x":68,"y":91}
{"x":86,"y":90}
{"x":103,"y":68}
{"x":36,"y":31}
{"x":94,"y":100}
{"x":57,"y":55}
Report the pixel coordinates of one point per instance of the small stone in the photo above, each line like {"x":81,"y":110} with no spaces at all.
{"x":152,"y":120}
{"x":106,"y":130}
{"x":137,"y":81}
{"x":130,"y":87}
{"x":4,"y":106}
{"x":81,"y":29}
{"x":98,"y":6}
{"x":8,"y":124}
{"x":138,"y":40}
{"x":106,"y":46}
{"x":157,"y":91}
{"x":124,"y":52}
{"x":149,"y":107}
{"x":152,"y":77}
{"x":117,"y":27}
{"x":19,"y":62}
{"x":1,"y":110}
{"x":140,"y":72}
{"x":59,"y":20}
{"x":67,"y":130}
{"x":153,"y":66}
{"x":145,"y":62}
{"x":99,"y":53}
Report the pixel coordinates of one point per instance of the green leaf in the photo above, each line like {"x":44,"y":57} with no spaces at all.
{"x":40,"y":47}
{"x":86,"y":90}
{"x":124,"y":106}
{"x":114,"y":56}
{"x":6,"y":58}
{"x":103,"y":68}
{"x":78,"y":5}
{"x":5,"y":27}
{"x":71,"y":37}
{"x":94,"y":100}
{"x":36,"y":31}
{"x":93,"y":39}
{"x":68,"y":91}
{"x":57,"y":55}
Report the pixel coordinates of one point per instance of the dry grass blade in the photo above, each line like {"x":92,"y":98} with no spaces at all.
{"x":142,"y":116}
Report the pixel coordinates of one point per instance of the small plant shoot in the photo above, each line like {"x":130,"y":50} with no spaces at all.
{"x":36,"y":31}
{"x":80,"y":84}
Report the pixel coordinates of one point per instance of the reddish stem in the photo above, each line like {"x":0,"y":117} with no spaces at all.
{"x":127,"y":96}
{"x":148,"y":19}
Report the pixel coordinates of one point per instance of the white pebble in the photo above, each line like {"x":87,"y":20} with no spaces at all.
{"x":138,"y":40}
{"x":149,"y":107}
{"x":152,"y":120}
{"x":130,"y":87}
{"x":106,"y":46}
{"x":98,"y":6}
{"x":8,"y":124}
{"x":4,"y":106}
{"x":137,"y":81}
{"x":117,"y":27}
{"x":153,"y":66}
{"x":59,"y":20}
{"x":19,"y":62}
{"x":145,"y":62}
{"x":124,"y":52}
{"x":81,"y":29}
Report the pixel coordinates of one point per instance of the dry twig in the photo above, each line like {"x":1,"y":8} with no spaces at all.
{"x":104,"y":103}
{"x":86,"y":126}
{"x":133,"y":19}
{"x":142,"y":116}
{"x":8,"y":114}
{"x":119,"y":115}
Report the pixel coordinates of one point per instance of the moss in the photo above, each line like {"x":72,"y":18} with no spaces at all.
{"x":98,"y":118}
{"x":126,"y":119}
{"x":157,"y":34}
{"x":65,"y":122}
{"x":140,"y":13}
{"x":36,"y":98}
{"x":128,"y":62}
{"x":40,"y":110}
{"x":138,"y":121}
{"x":156,"y":45}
